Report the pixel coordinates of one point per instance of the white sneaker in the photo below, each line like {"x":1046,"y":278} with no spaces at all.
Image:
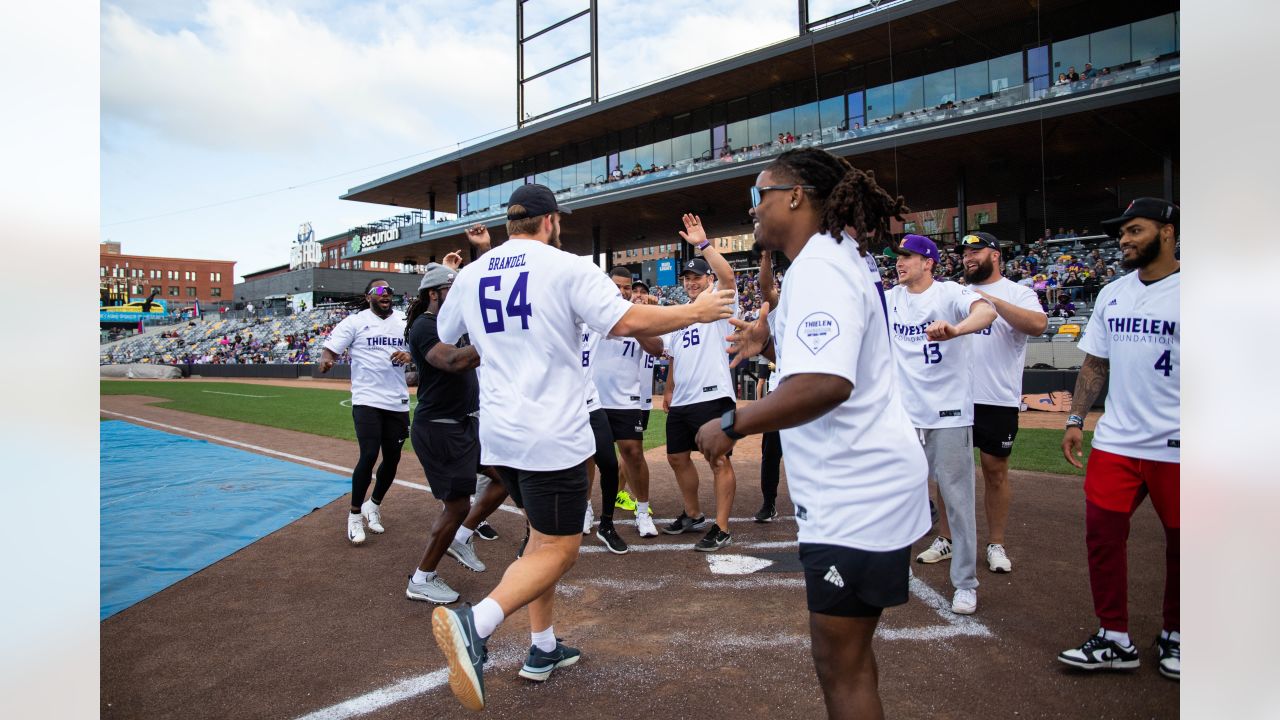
{"x":373,"y":515}
{"x":644,"y":524}
{"x":355,"y":528}
{"x":937,"y":552}
{"x":587,"y":520}
{"x":964,"y":602}
{"x":997,"y":560}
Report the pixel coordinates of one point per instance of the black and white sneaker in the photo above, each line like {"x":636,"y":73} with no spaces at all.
{"x":767,"y":513}
{"x":713,"y":540}
{"x":684,"y":524}
{"x":1170,"y":657}
{"x":1099,"y":653}
{"x":486,"y":531}
{"x":609,"y":536}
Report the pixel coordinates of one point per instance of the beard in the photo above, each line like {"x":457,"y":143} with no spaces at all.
{"x":554,"y":240}
{"x":1147,"y":254}
{"x":981,"y":273}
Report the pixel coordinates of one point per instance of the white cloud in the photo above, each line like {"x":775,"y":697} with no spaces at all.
{"x":256,"y":76}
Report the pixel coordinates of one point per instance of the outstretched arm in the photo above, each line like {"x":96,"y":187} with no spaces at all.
{"x":696,"y":235}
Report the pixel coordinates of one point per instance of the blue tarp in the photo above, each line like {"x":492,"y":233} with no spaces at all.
{"x":172,"y":506}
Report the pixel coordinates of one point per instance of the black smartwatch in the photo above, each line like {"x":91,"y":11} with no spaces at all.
{"x":726,"y":425}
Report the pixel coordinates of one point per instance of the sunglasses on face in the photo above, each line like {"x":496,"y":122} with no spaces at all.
{"x":758,"y":191}
{"x":381,"y":290}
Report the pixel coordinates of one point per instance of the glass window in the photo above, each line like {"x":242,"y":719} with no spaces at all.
{"x":662,"y":153}
{"x":1109,"y":47}
{"x":972,"y":81}
{"x":173,"y":291}
{"x":1070,"y":53}
{"x":700,"y":143}
{"x":856,"y":109}
{"x":782,"y":121}
{"x":879,"y":102}
{"x":738,"y":134}
{"x":1154,"y":37}
{"x":626,"y":159}
{"x":681,"y":147}
{"x":831,"y":112}
{"x":806,"y":119}
{"x":215,"y":292}
{"x":644,"y":156}
{"x":1006,"y":72}
{"x":939,"y":87}
{"x":908,"y":95}
{"x":759,"y":129}
{"x":1038,"y":67}
{"x":598,"y":170}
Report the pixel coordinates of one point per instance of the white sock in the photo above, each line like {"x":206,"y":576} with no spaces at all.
{"x":488,"y":615}
{"x":463,"y":535}
{"x":642,"y":508}
{"x":1173,"y":635}
{"x":1120,"y":638}
{"x":421,"y":576}
{"x":545,"y":640}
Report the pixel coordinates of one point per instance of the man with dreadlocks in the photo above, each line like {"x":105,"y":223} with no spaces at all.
{"x":446,"y":435}
{"x":856,"y":471}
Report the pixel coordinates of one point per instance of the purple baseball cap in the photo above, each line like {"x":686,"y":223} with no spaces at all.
{"x":920,"y":245}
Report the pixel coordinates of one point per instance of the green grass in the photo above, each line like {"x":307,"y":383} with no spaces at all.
{"x":1040,"y":450}
{"x":320,"y":412}
{"x":310,"y":410}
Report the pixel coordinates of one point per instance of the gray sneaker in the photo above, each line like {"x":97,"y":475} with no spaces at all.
{"x":435,"y":590}
{"x":466,"y":554}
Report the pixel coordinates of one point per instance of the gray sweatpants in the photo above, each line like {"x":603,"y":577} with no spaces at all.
{"x":950,"y":455}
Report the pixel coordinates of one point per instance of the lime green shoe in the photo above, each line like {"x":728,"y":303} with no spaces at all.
{"x":624,"y":502}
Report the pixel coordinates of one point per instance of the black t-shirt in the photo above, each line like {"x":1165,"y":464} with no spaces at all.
{"x":441,"y":394}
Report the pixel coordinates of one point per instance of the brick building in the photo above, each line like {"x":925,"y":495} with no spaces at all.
{"x":181,"y":281}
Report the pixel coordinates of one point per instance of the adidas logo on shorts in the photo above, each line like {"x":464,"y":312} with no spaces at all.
{"x":833,"y":577}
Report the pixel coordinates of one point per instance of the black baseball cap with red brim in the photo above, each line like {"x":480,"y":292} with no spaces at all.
{"x":1161,"y":211}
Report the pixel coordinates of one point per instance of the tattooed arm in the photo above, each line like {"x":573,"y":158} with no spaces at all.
{"x":1093,"y":376}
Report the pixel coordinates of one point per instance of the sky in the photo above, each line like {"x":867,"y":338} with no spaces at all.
{"x":225,"y":124}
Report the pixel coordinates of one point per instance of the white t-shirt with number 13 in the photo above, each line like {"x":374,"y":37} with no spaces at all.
{"x":935,"y":378}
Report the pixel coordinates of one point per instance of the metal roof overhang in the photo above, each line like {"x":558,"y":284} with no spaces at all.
{"x":864,"y":39}
{"x":1086,"y":137}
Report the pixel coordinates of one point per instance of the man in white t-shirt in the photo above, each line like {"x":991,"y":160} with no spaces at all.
{"x":1133,"y":339}
{"x":855,"y":470}
{"x":379,"y":399}
{"x":999,"y":355}
{"x":616,"y":367}
{"x":929,"y":322}
{"x":700,"y":388}
{"x":522,"y":305}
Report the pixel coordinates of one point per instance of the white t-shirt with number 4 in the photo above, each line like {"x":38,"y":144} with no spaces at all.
{"x":935,"y":378}
{"x":522,"y":304}
{"x":375,"y":381}
{"x":857,"y":475}
{"x":701,"y":363}
{"x":1000,"y":351}
{"x":1138,"y":329}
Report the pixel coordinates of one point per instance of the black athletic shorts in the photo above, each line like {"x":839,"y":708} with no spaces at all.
{"x":644,"y":419}
{"x":626,"y":424}
{"x":554,"y":501}
{"x":683,"y":422}
{"x":450,"y":455}
{"x":994,"y":428}
{"x":845,"y":582}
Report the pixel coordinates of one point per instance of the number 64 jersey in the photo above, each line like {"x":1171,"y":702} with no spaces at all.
{"x":522,"y":304}
{"x":1137,"y":328}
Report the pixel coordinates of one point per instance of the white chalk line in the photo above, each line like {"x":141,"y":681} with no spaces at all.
{"x":269,"y":451}
{"x":215,"y":392}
